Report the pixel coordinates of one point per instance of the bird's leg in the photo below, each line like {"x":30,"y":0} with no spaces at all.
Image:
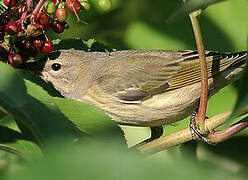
{"x":156,"y":132}
{"x":214,"y":137}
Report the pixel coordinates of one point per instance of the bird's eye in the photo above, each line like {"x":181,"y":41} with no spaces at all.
{"x":56,"y":66}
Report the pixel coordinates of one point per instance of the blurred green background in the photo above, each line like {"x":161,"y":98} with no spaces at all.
{"x":143,"y":24}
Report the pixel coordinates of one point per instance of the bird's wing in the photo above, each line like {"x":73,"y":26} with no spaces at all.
{"x":136,"y":75}
{"x":190,"y":71}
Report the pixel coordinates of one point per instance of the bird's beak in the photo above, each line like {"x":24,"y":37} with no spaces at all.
{"x":36,"y":66}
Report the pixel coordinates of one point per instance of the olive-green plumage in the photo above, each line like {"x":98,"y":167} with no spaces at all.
{"x":140,"y":87}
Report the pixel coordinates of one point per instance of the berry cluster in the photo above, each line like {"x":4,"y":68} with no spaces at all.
{"x":23,"y":24}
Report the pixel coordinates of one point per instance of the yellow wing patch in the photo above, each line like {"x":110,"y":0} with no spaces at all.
{"x":190,"y":71}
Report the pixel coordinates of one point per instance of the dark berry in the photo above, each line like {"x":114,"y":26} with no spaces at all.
{"x":14,"y":59}
{"x":4,"y":19}
{"x":57,"y":26}
{"x":73,"y":4}
{"x":7,"y":2}
{"x":42,"y":18}
{"x":25,"y":54}
{"x":40,"y":37}
{"x":61,"y":14}
{"x":29,"y":47}
{"x":20,"y":41}
{"x":12,"y":28}
{"x":47,"y":47}
{"x":1,"y":36}
{"x":3,"y":55}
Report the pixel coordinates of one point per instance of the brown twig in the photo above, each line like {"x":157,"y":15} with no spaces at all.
{"x":184,"y":135}
{"x":216,"y":137}
{"x":38,"y":7}
{"x":200,"y":119}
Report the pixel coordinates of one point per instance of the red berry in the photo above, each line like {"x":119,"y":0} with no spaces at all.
{"x":47,"y":47}
{"x":7,"y":2}
{"x":56,"y":1}
{"x":57,"y":26}
{"x":42,"y":18}
{"x":73,"y":4}
{"x":61,"y":14}
{"x":38,"y":44}
{"x":14,"y":59}
{"x":12,"y":28}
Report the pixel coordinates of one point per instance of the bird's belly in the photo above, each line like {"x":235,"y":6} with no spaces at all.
{"x":160,"y":109}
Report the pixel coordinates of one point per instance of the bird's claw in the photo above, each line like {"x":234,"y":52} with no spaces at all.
{"x":195,"y":130}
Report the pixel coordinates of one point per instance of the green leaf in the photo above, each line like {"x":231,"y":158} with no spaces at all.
{"x":71,"y":44}
{"x":86,"y":45}
{"x":89,"y":119}
{"x":12,"y":141}
{"x":111,"y":163}
{"x":56,"y":41}
{"x":24,"y":149}
{"x":89,"y":42}
{"x":2,"y":114}
{"x":12,"y":88}
{"x":33,"y":109}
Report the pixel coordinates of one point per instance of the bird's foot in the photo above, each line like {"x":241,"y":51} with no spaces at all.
{"x":195,"y":130}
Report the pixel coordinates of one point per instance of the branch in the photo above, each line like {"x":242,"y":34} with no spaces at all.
{"x":184,"y":135}
{"x":200,"y":120}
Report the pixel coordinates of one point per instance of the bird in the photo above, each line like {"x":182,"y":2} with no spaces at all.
{"x":147,"y":88}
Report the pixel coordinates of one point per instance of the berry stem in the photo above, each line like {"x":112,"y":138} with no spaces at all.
{"x":16,"y":7}
{"x":43,"y":5}
{"x":38,"y":7}
{"x":76,"y":14}
{"x":25,"y":13}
